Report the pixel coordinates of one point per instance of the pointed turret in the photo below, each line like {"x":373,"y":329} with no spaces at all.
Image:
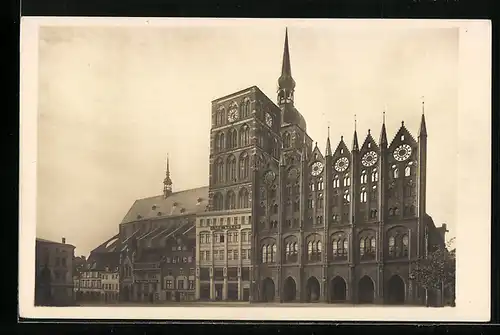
{"x":286,"y":81}
{"x":355,"y":145}
{"x":423,"y":127}
{"x":383,"y":134}
{"x":328,"y":151}
{"x":167,"y":182}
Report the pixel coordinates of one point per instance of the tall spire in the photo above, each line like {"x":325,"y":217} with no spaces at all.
{"x":286,"y":84}
{"x":423,"y":127}
{"x":328,"y":151}
{"x":167,"y":182}
{"x":383,"y":132}
{"x":355,"y":145}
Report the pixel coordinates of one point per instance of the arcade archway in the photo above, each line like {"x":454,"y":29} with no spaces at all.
{"x":268,"y":290}
{"x":366,"y":290}
{"x":312,"y":289}
{"x":338,"y":290}
{"x":289,"y":290}
{"x":395,"y":291}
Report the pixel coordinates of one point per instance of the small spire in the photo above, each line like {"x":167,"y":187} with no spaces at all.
{"x":402,"y":123}
{"x":355,"y":146}
{"x":423,"y":127}
{"x":383,"y":132}
{"x":328,"y":151}
{"x":369,"y":131}
{"x":355,"y":122}
{"x":423,"y":105}
{"x":167,"y":182}
{"x":286,"y":81}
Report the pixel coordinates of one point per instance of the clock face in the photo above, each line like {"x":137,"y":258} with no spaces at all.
{"x":232,"y":115}
{"x":317,"y":168}
{"x":402,"y":152}
{"x":269,"y":120}
{"x":341,"y":164}
{"x":369,"y":159}
{"x":269,"y":177}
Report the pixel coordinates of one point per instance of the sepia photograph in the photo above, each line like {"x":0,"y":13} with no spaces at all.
{"x":251,"y":169}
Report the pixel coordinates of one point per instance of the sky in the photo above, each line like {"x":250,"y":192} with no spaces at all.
{"x":113,"y":101}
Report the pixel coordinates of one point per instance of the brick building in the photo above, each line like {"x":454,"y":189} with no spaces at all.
{"x":54,"y":273}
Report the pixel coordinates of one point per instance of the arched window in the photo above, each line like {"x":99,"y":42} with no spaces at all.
{"x":309,"y":250}
{"x":336,"y":181}
{"x":245,"y":108}
{"x":335,"y":247}
{"x":219,"y":117}
{"x":395,"y":173}
{"x":374,"y":175}
{"x":312,"y":186}
{"x":231,"y":169}
{"x":319,"y":247}
{"x":373,"y":214}
{"x":264,"y":254}
{"x":244,"y":166}
{"x":347,"y":196}
{"x":392,"y":244}
{"x":407,"y":171}
{"x":275,"y":208}
{"x":362,"y":247}
{"x":363,"y":195}
{"x":347,"y":180}
{"x":345,"y":247}
{"x":244,"y":135}
{"x":244,"y":198}
{"x":286,"y":140}
{"x":218,"y":202}
{"x":320,"y":200}
{"x":287,"y":251}
{"x":232,"y":139}
{"x":222,"y":142}
{"x":230,"y":200}
{"x":219,"y":171}
{"x":295,"y":248}
{"x":405,"y":245}
{"x":363,"y":177}
{"x":320,"y":184}
{"x":273,"y":253}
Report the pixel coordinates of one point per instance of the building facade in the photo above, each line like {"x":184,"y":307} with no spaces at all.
{"x":282,"y":220}
{"x":54,"y":273}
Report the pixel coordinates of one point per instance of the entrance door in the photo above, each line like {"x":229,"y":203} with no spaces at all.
{"x":338,"y":290}
{"x":289,"y":290}
{"x":395,"y":291}
{"x":313,"y":289}
{"x":366,"y":290}
{"x":268,"y":290}
{"x":246,"y":294}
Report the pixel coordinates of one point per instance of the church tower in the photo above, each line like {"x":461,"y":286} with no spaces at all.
{"x":167,"y":182}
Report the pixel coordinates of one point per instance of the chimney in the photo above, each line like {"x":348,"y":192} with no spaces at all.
{"x":64,"y":240}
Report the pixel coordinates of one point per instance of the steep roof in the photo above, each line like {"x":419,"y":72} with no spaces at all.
{"x":185,"y":202}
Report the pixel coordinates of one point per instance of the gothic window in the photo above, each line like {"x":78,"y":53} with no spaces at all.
{"x":347,"y":196}
{"x":374,"y":175}
{"x":373,"y":214}
{"x":245,"y":108}
{"x":363,"y":177}
{"x":395,"y":173}
{"x":335,"y":217}
{"x":310,"y":203}
{"x":347,"y":180}
{"x":231,"y":169}
{"x":219,"y":118}
{"x":297,"y":188}
{"x":367,"y":247}
{"x":309,"y":250}
{"x":232,"y":139}
{"x":275,"y":148}
{"x":264,"y":254}
{"x":219,"y":171}
{"x":244,"y":135}
{"x":320,"y":184}
{"x":243,"y":198}
{"x":340,"y":247}
{"x":314,"y":249}
{"x":363,"y":195}
{"x":288,"y":190}
{"x":273,"y":253}
{"x":336,"y":181}
{"x":218,"y":202}
{"x":320,"y":201}
{"x":374,"y":192}
{"x":398,"y":245}
{"x":402,"y":137}
{"x":286,"y":140}
{"x":230,"y":200}
{"x":244,"y":166}
{"x":407,"y":171}
{"x":312,"y":186}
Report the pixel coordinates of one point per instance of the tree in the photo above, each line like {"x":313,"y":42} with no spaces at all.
{"x":437,"y":272}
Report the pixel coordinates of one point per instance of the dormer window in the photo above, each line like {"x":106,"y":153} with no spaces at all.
{"x":159,"y":213}
{"x":153,"y":207}
{"x":199,"y":200}
{"x":175,"y":204}
{"x":139,"y":216}
{"x":183,"y":210}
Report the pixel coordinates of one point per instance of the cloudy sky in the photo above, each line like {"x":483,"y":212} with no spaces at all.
{"x":114,"y":100}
